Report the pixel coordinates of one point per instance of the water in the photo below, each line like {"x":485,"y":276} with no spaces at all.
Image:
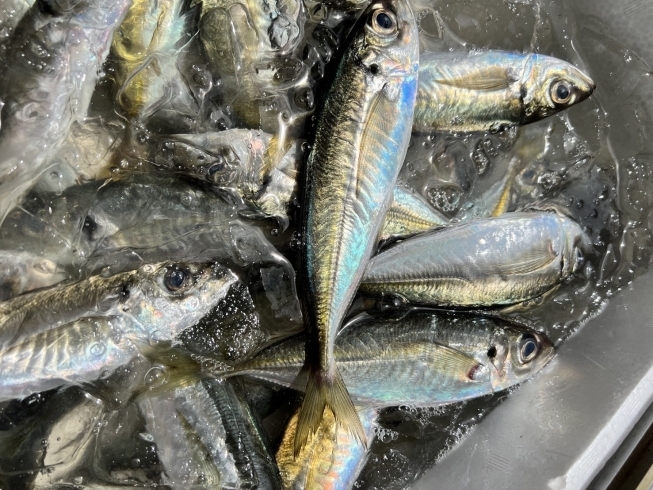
{"x":595,"y":164}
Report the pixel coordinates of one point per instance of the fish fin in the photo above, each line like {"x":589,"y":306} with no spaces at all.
{"x":494,"y":81}
{"x":181,"y":369}
{"x":528,"y":263}
{"x":453,"y":360}
{"x":367,"y":141}
{"x":323,"y":391}
{"x":501,"y":206}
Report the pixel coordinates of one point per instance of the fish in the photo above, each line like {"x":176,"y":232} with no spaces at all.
{"x":72,"y":334}
{"x":85,"y":229}
{"x":236,"y":36}
{"x":144,"y":53}
{"x":424,"y":358}
{"x":332,"y":458}
{"x":378,"y":370}
{"x":485,"y":262}
{"x":491,"y":90}
{"x":57,"y":53}
{"x":409,"y":213}
{"x":236,"y":160}
{"x":206,"y":435}
{"x":360,"y":143}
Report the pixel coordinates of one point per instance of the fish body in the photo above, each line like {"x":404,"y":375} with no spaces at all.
{"x":71,"y":334}
{"x":72,"y":354}
{"x":145,"y":50}
{"x":207,"y":437}
{"x":57,"y":56}
{"x":85,"y":228}
{"x":237,"y":34}
{"x":495,"y":261}
{"x":360,"y":143}
{"x":408,"y":214}
{"x":491,"y":90}
{"x":422,"y":359}
{"x":332,"y":458}
{"x":237,"y":160}
{"x":378,"y":370}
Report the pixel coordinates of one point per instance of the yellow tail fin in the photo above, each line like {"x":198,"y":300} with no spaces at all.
{"x":323,"y":390}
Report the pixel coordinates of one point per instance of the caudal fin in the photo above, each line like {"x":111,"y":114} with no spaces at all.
{"x":323,"y":391}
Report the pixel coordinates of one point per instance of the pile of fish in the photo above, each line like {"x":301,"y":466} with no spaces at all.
{"x":201,"y":214}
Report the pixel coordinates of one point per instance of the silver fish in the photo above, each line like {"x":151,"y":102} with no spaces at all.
{"x":144,"y":53}
{"x":236,"y":35}
{"x":86,"y":228}
{"x":409,"y":213}
{"x":207,"y":437}
{"x":491,"y":90}
{"x":423,"y":359}
{"x":47,"y":338}
{"x":360,"y":143}
{"x":495,"y":261}
{"x":56,"y":53}
{"x":378,"y":370}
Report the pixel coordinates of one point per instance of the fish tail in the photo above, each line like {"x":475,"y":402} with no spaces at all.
{"x":324,"y":390}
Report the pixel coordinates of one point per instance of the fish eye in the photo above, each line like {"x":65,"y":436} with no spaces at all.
{"x":560,"y":92}
{"x":176,"y":278}
{"x":528,"y":348}
{"x":384,"y":22}
{"x":216,"y":167}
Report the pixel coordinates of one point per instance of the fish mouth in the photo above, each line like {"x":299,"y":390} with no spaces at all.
{"x":586,"y":85}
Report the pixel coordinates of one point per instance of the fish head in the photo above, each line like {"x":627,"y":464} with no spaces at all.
{"x":516,"y":355}
{"x":577,"y":248}
{"x":550,"y":85}
{"x":220,"y":166}
{"x":168,"y":297}
{"x":386,"y":42}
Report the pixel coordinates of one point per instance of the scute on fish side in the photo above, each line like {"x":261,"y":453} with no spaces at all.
{"x":361,"y":140}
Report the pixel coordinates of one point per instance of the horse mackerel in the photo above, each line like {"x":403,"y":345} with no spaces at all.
{"x":491,"y":90}
{"x":360,"y":143}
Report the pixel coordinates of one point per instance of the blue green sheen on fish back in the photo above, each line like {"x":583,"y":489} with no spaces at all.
{"x":361,"y":140}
